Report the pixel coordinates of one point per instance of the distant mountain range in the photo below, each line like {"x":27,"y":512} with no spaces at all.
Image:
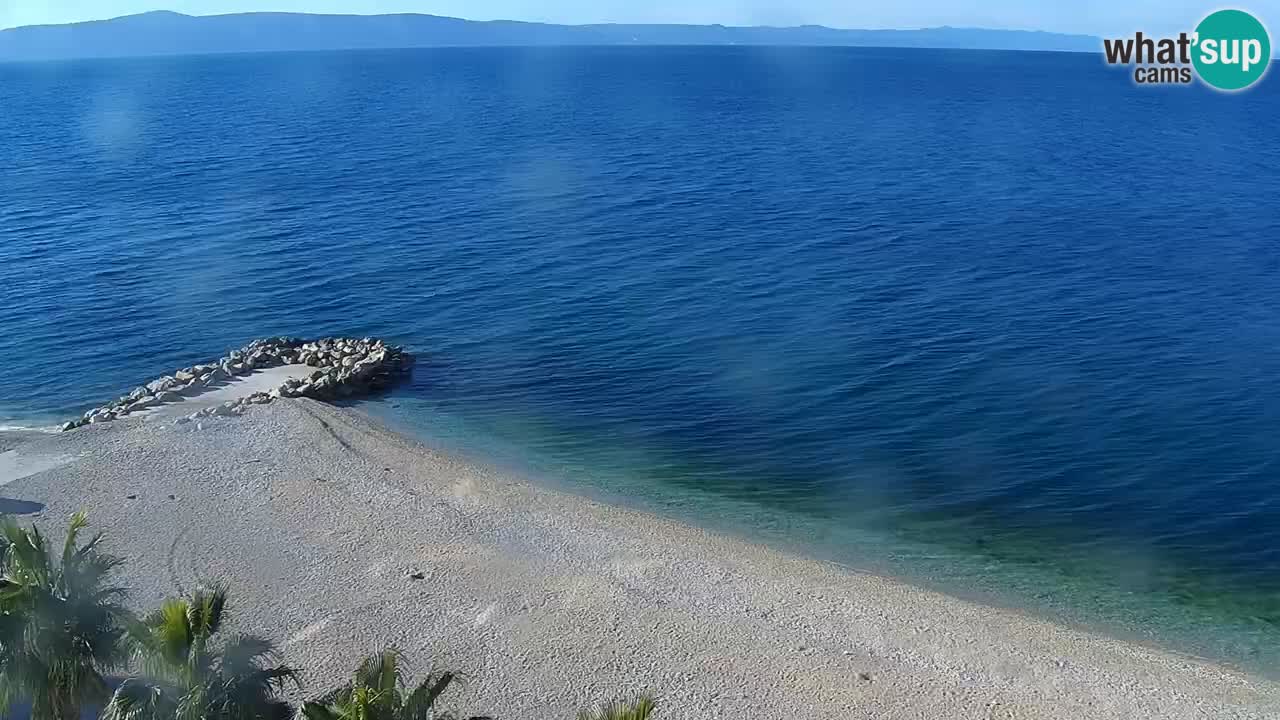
{"x":170,"y":33}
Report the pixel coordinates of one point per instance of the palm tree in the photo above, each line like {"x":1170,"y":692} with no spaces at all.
{"x":188,"y":677}
{"x":62,"y":622}
{"x":378,"y":692}
{"x":641,"y":709}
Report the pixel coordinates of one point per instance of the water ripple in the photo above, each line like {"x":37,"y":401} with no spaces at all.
{"x":1010,"y":313}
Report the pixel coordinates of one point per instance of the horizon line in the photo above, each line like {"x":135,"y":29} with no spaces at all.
{"x":163,"y":11}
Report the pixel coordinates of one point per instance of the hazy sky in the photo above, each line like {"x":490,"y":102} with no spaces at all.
{"x":1105,"y":17}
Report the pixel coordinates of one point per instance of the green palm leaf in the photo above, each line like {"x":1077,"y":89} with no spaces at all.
{"x":62,"y":623}
{"x":641,"y":708}
{"x":377,"y":691}
{"x":193,"y":677}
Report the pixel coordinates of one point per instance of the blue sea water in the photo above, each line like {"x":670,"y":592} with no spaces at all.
{"x":1000,"y":323}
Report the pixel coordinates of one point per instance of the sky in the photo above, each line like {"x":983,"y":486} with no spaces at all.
{"x":1097,"y":17}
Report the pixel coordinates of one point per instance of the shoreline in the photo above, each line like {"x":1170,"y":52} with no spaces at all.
{"x":527,"y":587}
{"x":1194,"y":627}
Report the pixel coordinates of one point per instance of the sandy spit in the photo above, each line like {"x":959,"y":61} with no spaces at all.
{"x":317,"y":517}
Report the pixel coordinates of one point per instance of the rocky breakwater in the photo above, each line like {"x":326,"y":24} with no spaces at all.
{"x":345,"y":367}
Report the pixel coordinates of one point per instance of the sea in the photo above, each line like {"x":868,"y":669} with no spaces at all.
{"x":1001,"y":324}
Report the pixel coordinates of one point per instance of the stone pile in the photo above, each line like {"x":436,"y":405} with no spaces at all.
{"x":345,"y":367}
{"x":231,"y":407}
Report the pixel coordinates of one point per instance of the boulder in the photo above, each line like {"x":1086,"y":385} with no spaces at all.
{"x":161,"y":384}
{"x":343,"y":366}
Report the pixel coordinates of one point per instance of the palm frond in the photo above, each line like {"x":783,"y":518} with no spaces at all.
{"x":206,"y":609}
{"x":316,"y":710}
{"x":377,"y":692}
{"x":27,"y":561}
{"x":246,"y":653}
{"x":61,"y":623}
{"x":79,"y":521}
{"x":380,"y":671}
{"x":639,"y":709}
{"x":138,"y":699}
{"x":235,"y":680}
{"x":166,"y":638}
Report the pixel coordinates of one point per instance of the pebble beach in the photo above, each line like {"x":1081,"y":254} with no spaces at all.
{"x":338,"y":536}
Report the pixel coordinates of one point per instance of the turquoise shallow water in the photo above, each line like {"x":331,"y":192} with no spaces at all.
{"x":1108,"y":590}
{"x":1001,"y":323}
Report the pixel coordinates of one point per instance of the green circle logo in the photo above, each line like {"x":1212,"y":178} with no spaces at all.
{"x":1232,"y":50}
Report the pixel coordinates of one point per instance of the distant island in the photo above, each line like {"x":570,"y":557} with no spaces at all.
{"x":170,"y":33}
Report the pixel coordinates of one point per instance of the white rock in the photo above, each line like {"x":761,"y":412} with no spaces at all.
{"x":161,"y":384}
